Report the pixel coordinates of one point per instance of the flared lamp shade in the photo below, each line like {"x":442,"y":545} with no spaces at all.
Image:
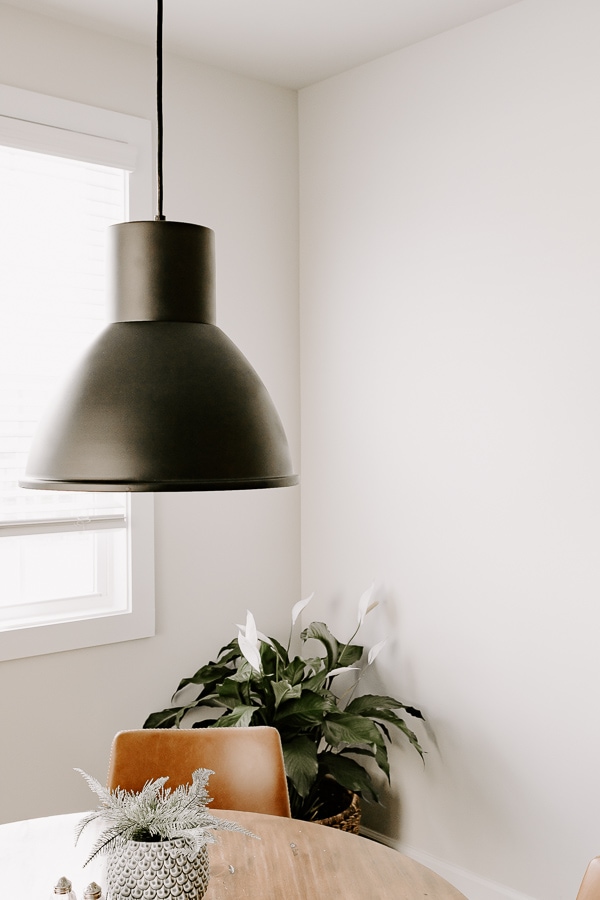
{"x":163,"y":400}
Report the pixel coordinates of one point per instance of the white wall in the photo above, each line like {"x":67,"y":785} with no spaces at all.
{"x":230,"y":163}
{"x":450,"y":326}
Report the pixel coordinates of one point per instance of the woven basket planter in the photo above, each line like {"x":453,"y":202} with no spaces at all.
{"x":158,"y":870}
{"x":349,"y":817}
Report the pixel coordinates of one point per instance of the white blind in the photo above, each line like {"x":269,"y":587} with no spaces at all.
{"x":53,"y":231}
{"x":62,"y":141}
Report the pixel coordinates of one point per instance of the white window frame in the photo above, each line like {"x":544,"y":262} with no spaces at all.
{"x":32,"y":121}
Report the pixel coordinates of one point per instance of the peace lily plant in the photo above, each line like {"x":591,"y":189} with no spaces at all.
{"x":324,"y":730}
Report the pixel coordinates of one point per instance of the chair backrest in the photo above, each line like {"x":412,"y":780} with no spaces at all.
{"x":590,"y":886}
{"x":249,"y":772}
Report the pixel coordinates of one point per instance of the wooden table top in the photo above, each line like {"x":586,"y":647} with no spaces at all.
{"x":298,"y":860}
{"x":293,"y":860}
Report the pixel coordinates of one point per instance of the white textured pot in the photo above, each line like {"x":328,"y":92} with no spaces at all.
{"x":157,"y":871}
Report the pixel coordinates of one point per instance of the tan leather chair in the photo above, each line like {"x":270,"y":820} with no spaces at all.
{"x":590,"y":886}
{"x":247,"y":762}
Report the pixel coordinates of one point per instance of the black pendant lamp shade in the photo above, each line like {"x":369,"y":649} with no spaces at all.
{"x":163,"y":400}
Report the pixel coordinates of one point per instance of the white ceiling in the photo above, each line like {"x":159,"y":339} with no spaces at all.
{"x":287,"y":42}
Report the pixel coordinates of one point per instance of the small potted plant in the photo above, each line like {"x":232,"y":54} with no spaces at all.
{"x":156,"y":838}
{"x":255,"y":680}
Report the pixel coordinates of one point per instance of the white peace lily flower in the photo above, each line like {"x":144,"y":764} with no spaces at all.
{"x":263,"y":637}
{"x":249,"y":651}
{"x":260,"y":635}
{"x":374,"y":651}
{"x":342,"y":669}
{"x":250,"y":631}
{"x":249,"y":643}
{"x":299,"y":606}
{"x":365,"y":604}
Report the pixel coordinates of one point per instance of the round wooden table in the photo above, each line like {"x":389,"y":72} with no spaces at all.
{"x":293,"y":860}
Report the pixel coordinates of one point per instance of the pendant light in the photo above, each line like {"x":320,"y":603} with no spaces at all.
{"x":163,"y":400}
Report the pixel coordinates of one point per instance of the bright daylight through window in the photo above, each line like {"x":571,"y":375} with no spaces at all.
{"x":67,"y":568}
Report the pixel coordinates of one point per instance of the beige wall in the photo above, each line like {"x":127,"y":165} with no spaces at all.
{"x":450,"y":271}
{"x":230,"y":163}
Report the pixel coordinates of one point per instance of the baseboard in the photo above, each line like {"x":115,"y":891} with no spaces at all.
{"x":474,"y":887}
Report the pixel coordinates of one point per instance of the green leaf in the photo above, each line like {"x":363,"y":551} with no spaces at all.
{"x":166,"y":718}
{"x":348,"y":773}
{"x":379,"y":754}
{"x":308,"y":710}
{"x":269,"y":658}
{"x":369,"y":704}
{"x":281,"y":651}
{"x":320,"y":632}
{"x":212,"y":700}
{"x":341,"y":728}
{"x":413,"y":711}
{"x":294,"y":671}
{"x":315,"y":664}
{"x":300,"y":757}
{"x":350,"y":654}
{"x":412,"y":737}
{"x":229,"y":693}
{"x":316,"y":682}
{"x":243,"y":674}
{"x":209,"y":674}
{"x":239,"y":717}
{"x":316,"y":673}
{"x":214,"y":672}
{"x":283,"y":690}
{"x":372,"y":706}
{"x":381,"y":758}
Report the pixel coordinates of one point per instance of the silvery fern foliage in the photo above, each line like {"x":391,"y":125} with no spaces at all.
{"x":156,"y":813}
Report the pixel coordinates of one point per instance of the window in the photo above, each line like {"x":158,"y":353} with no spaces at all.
{"x":76,"y":569}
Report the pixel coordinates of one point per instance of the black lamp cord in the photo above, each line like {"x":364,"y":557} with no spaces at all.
{"x":159,"y":112}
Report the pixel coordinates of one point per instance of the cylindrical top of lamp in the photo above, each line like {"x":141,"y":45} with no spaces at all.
{"x":162,"y":272}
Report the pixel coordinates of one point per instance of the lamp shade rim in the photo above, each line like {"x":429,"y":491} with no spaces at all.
{"x":223,"y":484}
